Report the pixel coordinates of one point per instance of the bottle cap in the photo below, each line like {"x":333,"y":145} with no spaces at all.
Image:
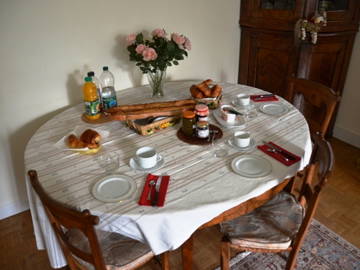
{"x":188,"y":114}
{"x":202,"y":124}
{"x":88,"y":79}
{"x":105,"y":68}
{"x":201,"y":108}
{"x":91,"y":74}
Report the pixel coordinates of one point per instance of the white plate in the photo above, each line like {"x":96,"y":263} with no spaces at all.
{"x":114,"y":188}
{"x":134,"y":165}
{"x":242,"y":149}
{"x":273,"y":109}
{"x":251,"y":166}
{"x":238,"y":123}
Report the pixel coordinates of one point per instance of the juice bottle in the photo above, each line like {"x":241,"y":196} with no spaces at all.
{"x":91,"y":100}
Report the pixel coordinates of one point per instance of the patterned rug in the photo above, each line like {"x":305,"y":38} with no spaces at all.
{"x":322,"y":250}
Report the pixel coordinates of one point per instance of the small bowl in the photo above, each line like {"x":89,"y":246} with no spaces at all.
{"x":212,"y":102}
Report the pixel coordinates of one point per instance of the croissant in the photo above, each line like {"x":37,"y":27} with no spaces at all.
{"x":90,"y":137}
{"x":216,"y":90}
{"x":204,"y":88}
{"x":195,"y":92}
{"x":74,"y":142}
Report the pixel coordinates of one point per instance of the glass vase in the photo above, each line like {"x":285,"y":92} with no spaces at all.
{"x":156,"y":81}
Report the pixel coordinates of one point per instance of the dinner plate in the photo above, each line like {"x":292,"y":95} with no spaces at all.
{"x":134,"y":165}
{"x":114,"y":188}
{"x":273,"y":109}
{"x":251,"y":145}
{"x":251,"y":166}
{"x":238,"y":123}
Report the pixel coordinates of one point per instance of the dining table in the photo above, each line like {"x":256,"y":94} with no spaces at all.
{"x":203,"y":189}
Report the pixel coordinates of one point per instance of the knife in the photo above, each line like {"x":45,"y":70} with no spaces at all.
{"x":264,"y":96}
{"x":157,"y":189}
{"x":280,"y":151}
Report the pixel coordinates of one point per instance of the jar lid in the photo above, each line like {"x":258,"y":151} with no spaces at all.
{"x":202,"y":124}
{"x":188,"y":114}
{"x":201,"y":108}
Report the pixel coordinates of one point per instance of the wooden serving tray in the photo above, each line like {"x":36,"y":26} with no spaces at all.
{"x":199,"y":141}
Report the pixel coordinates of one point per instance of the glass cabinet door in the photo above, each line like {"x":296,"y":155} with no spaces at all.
{"x":278,"y":4}
{"x":332,"y":5}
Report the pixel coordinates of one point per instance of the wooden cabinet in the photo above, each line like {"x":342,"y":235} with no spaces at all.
{"x":271,"y":49}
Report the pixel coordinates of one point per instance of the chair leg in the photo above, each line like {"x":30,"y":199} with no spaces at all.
{"x":290,"y":264}
{"x":165,"y":262}
{"x":225,"y":255}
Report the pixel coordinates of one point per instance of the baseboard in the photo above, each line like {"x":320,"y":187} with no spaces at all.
{"x":13,"y":208}
{"x":347,"y":136}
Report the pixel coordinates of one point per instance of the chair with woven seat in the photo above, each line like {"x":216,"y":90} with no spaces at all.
{"x":87,"y":248}
{"x":316,"y":101}
{"x":281,"y":224}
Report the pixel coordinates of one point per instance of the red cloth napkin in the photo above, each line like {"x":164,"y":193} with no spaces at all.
{"x":278,"y":155}
{"x":258,"y":98}
{"x":162,"y":191}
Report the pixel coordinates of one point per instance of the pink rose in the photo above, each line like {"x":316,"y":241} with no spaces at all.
{"x":140,"y":48}
{"x":178,"y":39}
{"x":159,"y":33}
{"x":149,"y":54}
{"x":187,"y":44}
{"x":130,"y":39}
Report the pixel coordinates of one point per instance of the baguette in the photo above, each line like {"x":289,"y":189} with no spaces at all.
{"x":155,"y":105}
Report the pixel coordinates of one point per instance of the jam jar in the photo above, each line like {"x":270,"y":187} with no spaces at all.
{"x":188,"y":123}
{"x":202,"y":129}
{"x":202,"y":112}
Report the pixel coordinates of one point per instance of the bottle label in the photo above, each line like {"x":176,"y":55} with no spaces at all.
{"x":92,"y":107}
{"x":109,"y":102}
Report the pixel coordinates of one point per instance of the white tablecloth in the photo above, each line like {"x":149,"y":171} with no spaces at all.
{"x":201,"y":186}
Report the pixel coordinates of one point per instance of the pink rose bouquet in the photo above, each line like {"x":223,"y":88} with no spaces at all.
{"x":158,"y":52}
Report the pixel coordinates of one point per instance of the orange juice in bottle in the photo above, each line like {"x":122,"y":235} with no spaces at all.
{"x":91,"y":100}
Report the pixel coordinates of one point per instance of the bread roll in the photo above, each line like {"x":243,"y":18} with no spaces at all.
{"x":195,"y":92}
{"x":216,"y":90}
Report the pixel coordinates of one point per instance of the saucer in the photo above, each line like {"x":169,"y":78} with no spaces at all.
{"x":251,"y":145}
{"x":243,"y":107}
{"x":134,"y":165}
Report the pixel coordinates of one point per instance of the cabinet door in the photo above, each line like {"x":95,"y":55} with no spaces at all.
{"x":342,"y":15}
{"x":266,"y":59}
{"x":327,"y":61}
{"x":271,"y":14}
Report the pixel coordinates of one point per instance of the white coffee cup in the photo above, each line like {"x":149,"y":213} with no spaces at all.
{"x":242,"y":138}
{"x":243,"y":99}
{"x":226,"y":115}
{"x":146,"y":157}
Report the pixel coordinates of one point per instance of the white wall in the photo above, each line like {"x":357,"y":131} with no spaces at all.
{"x":347,"y":125}
{"x":46,"y":46}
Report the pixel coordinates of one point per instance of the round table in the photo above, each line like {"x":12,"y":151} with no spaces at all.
{"x":201,"y":188}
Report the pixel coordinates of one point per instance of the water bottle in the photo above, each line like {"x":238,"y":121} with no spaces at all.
{"x":108,"y":94}
{"x":97,"y":83}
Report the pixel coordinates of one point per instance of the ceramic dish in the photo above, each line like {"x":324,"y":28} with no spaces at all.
{"x":114,"y":188}
{"x":238,"y":123}
{"x":275,"y":109}
{"x":251,"y":166}
{"x":250,"y":147}
{"x":134,"y":165}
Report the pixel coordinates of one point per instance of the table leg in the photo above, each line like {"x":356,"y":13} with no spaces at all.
{"x":187,"y":254}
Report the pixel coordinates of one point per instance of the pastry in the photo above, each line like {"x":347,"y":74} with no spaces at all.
{"x":216,"y":90}
{"x":74,"y":142}
{"x":90,"y":137}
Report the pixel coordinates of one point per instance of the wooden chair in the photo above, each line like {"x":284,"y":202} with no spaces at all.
{"x":83,"y":246}
{"x":281,"y":224}
{"x":317,"y":102}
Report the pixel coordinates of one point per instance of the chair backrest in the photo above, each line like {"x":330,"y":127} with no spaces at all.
{"x":316,"y":176}
{"x":316,"y":101}
{"x":63,"y":218}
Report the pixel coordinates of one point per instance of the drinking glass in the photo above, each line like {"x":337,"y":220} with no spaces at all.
{"x":218,"y":150}
{"x":109,"y":162}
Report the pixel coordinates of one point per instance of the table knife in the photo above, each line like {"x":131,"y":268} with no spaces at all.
{"x":157,"y":190}
{"x":264,"y":96}
{"x":280,"y":151}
